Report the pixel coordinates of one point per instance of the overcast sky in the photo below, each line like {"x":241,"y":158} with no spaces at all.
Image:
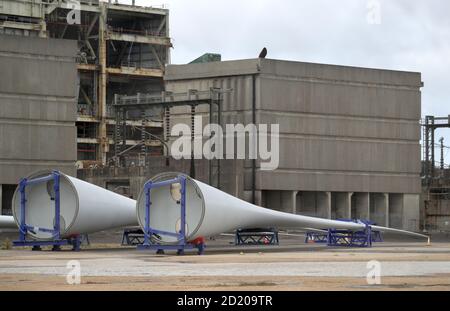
{"x":411,"y":35}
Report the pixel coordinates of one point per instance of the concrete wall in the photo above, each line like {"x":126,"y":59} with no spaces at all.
{"x":283,"y":201}
{"x":341,"y":122}
{"x":379,"y":208}
{"x":360,"y":206}
{"x":341,"y":207}
{"x":438,"y":215}
{"x":352,"y":129}
{"x":38,"y":90}
{"x":396,"y":210}
{"x":411,"y":212}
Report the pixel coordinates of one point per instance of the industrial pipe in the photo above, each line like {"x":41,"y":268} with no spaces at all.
{"x":210,"y":212}
{"x":84,"y":207}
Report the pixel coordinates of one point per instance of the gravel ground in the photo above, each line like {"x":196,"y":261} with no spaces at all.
{"x":405,"y":265}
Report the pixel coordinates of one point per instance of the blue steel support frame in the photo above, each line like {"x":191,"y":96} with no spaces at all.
{"x":181,"y":235}
{"x":56,"y":241}
{"x":257,"y":236}
{"x":347,"y":238}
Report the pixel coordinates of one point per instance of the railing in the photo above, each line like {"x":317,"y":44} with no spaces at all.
{"x":85,"y":110}
{"x":129,"y":64}
{"x":142,"y":32}
{"x":165,"y":97}
{"x":133,"y":3}
{"x":136,"y":66}
{"x":96,"y":2}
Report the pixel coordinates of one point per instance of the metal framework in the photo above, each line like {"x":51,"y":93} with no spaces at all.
{"x":24,"y":228}
{"x":133,"y":237}
{"x":349,"y":238}
{"x":434,"y":185}
{"x":256,"y":236}
{"x":166,"y":100}
{"x":430,"y":125}
{"x":149,"y":233}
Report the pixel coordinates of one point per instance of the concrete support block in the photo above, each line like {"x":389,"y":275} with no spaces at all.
{"x":341,"y":207}
{"x":411,"y":212}
{"x":315,"y":204}
{"x":258,"y":197}
{"x":396,"y":210}
{"x":437,"y":216}
{"x":387,"y":209}
{"x":247,"y":196}
{"x":283,"y":201}
{"x":379,"y":209}
{"x":306,"y":203}
{"x":324,"y":204}
{"x":291,"y":201}
{"x":360,"y":205}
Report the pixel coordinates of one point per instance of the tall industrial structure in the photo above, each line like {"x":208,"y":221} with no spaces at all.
{"x":435,"y":177}
{"x":121,"y":49}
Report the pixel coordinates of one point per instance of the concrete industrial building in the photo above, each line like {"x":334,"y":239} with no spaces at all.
{"x":349,"y":137}
{"x":38,"y":94}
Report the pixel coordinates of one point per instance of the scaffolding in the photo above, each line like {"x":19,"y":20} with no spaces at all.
{"x":167,"y":100}
{"x":430,"y":124}
{"x":436,"y":186}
